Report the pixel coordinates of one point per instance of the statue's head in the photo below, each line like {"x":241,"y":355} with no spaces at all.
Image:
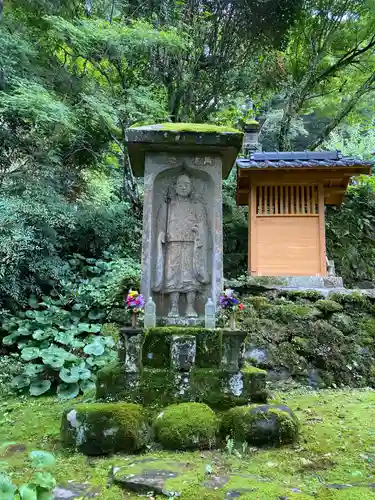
{"x":183,"y":186}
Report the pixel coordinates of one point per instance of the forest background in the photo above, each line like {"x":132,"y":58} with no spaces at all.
{"x":74,"y":74}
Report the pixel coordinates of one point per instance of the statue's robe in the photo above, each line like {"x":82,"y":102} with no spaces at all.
{"x":181,"y":261}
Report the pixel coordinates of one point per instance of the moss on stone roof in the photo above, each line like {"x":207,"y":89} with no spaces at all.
{"x":196,"y":127}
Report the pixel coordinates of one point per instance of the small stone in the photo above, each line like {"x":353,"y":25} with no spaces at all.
{"x":339,"y":486}
{"x":12,"y":449}
{"x":147,"y":481}
{"x":238,"y":493}
{"x":216,"y":482}
{"x":75,"y":490}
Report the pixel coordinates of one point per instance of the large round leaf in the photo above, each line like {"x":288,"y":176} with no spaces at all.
{"x":28,"y":492}
{"x":42,"y":334}
{"x":40,"y":387}
{"x":65,"y":338}
{"x":56,"y":356}
{"x":30,"y":353}
{"x":54,"y":361}
{"x":24,"y":331}
{"x":31,"y":370}
{"x":83,"y":327}
{"x":94,"y":349}
{"x":7,"y":489}
{"x":87,"y":385}
{"x":67,"y":391}
{"x":44,"y":480}
{"x":95,"y":314}
{"x":70,"y":375}
{"x":10,"y":339}
{"x":21,"y":381}
{"x":41,"y":460}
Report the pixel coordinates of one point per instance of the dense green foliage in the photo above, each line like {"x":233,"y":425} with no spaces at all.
{"x":40,"y":484}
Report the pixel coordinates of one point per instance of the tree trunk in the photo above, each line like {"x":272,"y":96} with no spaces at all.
{"x":343,"y":113}
{"x":130,"y":188}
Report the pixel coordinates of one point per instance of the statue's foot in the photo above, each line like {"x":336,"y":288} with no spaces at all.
{"x":190,"y":312}
{"x":173,"y":313}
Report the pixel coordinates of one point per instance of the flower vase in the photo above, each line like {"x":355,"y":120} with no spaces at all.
{"x":232,"y":321}
{"x":134,"y":320}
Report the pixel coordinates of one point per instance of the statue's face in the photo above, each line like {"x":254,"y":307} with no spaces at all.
{"x":183,"y":186}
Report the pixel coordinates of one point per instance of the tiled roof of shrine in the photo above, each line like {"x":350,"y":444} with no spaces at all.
{"x":301,"y":159}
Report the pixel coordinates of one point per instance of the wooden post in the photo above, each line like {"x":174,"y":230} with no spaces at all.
{"x":251,"y":256}
{"x":322,"y":232}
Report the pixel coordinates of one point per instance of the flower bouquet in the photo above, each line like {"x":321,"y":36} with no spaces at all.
{"x":230,"y":303}
{"x":134,"y":303}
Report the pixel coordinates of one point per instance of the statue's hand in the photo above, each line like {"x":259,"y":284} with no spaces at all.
{"x":162,"y":237}
{"x":195,"y":229}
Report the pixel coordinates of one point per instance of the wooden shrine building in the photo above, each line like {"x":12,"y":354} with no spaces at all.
{"x":286,"y":194}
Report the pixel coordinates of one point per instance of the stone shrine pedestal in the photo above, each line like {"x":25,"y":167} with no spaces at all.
{"x":183,"y":166}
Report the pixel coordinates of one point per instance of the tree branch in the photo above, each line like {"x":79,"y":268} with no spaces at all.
{"x":349,"y":106}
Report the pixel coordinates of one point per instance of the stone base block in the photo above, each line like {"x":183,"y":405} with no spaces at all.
{"x":180,"y":321}
{"x":217,"y":388}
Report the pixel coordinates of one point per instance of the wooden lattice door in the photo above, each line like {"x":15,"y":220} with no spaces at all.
{"x":286,"y":234}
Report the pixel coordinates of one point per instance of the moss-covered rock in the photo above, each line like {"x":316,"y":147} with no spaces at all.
{"x":186,"y":426}
{"x":328,"y":307}
{"x":298,"y":296}
{"x":353,"y":302}
{"x":258,"y":425}
{"x":103,"y":428}
{"x":289,"y":312}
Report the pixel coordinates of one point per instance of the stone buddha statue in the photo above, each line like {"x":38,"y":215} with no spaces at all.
{"x":182,"y":243}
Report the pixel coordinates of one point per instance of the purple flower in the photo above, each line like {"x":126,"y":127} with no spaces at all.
{"x":140,"y":301}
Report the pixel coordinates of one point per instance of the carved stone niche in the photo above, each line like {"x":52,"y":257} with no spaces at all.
{"x":184,"y":250}
{"x":183,"y":351}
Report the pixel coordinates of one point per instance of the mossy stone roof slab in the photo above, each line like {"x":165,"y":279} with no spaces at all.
{"x":185,"y":138}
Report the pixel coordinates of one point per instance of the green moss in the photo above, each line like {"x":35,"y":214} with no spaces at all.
{"x":368,"y":326}
{"x":337,"y":436}
{"x":353,"y":302}
{"x":252,"y":122}
{"x":290,"y":312}
{"x":257,"y":425}
{"x":112,"y":383}
{"x":186,"y":426}
{"x":198,"y":127}
{"x":102,"y":428}
{"x":297,"y":296}
{"x":157,"y":387}
{"x":111,"y":330}
{"x":216,"y":387}
{"x":258,"y":302}
{"x":328,"y":307}
{"x":156,"y":347}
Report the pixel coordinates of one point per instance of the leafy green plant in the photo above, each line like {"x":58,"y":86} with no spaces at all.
{"x":41,"y":482}
{"x":229,"y":445}
{"x":59,"y":347}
